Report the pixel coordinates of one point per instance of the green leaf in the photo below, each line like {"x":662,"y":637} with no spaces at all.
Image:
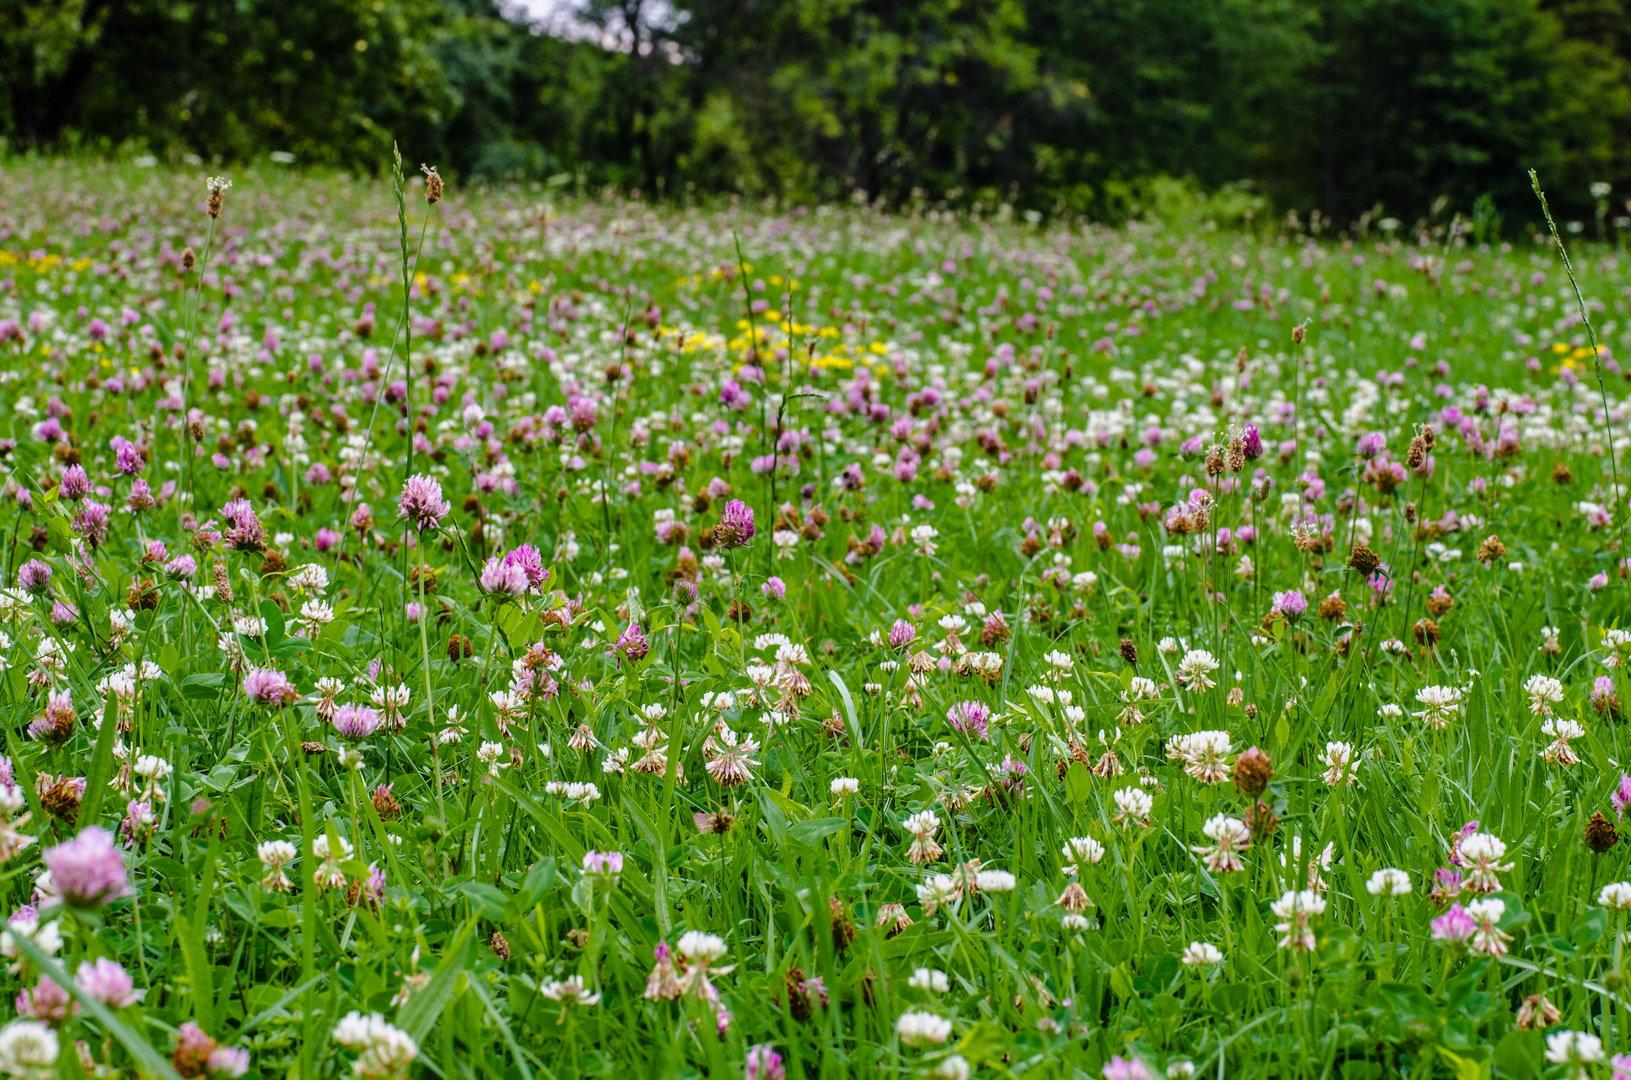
{"x":541,"y":878}
{"x":1078,"y":782}
{"x":1464,"y":1068}
{"x":205,"y":685}
{"x":812,"y":832}
{"x":849,"y":706}
{"x":421,"y":1011}
{"x":486,"y":899}
{"x":96,"y":780}
{"x":1518,"y":1054}
{"x":276,"y":629}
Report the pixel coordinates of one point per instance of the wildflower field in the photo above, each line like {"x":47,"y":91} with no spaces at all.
{"x":488,"y":634}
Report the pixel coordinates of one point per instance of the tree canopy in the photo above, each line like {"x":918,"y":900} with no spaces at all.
{"x":1340,"y":107}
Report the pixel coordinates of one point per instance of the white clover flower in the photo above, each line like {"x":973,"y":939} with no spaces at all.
{"x":1202,"y":954}
{"x":1442,"y":704}
{"x":1338,"y":759}
{"x":941,"y":890}
{"x":918,"y":1028}
{"x":700,"y":946}
{"x":1195,"y":670}
{"x":28,"y":1050}
{"x":1133,"y":806}
{"x":1576,"y":1049}
{"x":1544,"y":692}
{"x":384,"y":1050}
{"x":1295,"y":909}
{"x":1079,"y":850}
{"x":1388,"y":881}
{"x":929,"y":980}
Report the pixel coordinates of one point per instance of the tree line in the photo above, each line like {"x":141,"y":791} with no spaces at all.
{"x":1341,"y":110}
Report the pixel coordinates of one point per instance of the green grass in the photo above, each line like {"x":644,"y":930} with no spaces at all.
{"x":463,"y":896}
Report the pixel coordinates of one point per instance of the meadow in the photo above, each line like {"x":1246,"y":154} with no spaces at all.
{"x":498,"y":634}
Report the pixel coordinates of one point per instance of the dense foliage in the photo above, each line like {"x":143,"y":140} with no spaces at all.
{"x":1347,"y":107}
{"x":900,"y":644}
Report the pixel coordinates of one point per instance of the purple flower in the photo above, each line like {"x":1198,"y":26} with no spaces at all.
{"x":75,"y":483}
{"x":141,"y":496}
{"x":1291,"y":603}
{"x":228,"y":1061}
{"x":764,"y":1063}
{"x":87,"y":870}
{"x":181,"y":568}
{"x":56,"y":724}
{"x":127,"y":456}
{"x":1120,"y":1068}
{"x":1622,"y":796}
{"x":632,"y":643}
{"x":1011,"y":774}
{"x":64,"y":614}
{"x":192,"y":1043}
{"x":34,"y":576}
{"x":607,"y":864}
{"x":47,"y":1002}
{"x":970,"y":717}
{"x":92,"y":522}
{"x":901,"y":635}
{"x":422,"y":502}
{"x":108,"y":982}
{"x":325,"y":539}
{"x":355,"y":721}
{"x":774,"y":589}
{"x":1253,"y":441}
{"x":246,"y":533}
{"x":1454,"y":926}
{"x":735,"y":528}
{"x":1370,"y":444}
{"x":219,"y":1061}
{"x":269,"y":686}
{"x":531,"y":562}
{"x":500,"y":577}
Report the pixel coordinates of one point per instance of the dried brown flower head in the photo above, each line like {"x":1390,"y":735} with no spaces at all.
{"x":1252,"y":772}
{"x":1363,"y":559}
{"x":1600,"y":833}
{"x":433,"y":184}
{"x":218,"y":186}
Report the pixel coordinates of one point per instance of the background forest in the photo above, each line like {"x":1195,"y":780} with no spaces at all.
{"x":1344,"y":107}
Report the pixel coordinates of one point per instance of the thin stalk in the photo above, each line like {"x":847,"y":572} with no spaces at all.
{"x":1596,"y":354}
